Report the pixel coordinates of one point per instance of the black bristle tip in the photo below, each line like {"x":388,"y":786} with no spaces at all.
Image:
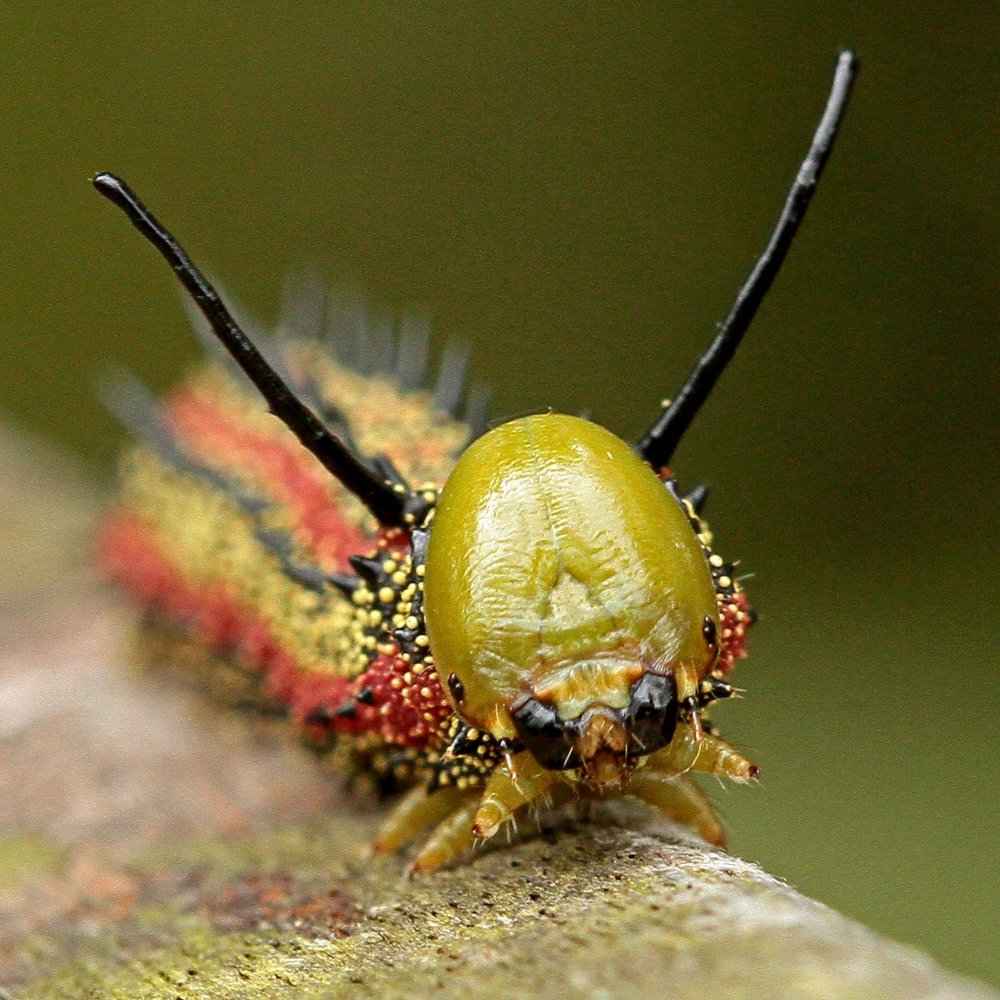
{"x":477,"y":410}
{"x":370,"y":570}
{"x":450,"y":386}
{"x":411,"y":357}
{"x":319,"y":716}
{"x":344,"y":582}
{"x":365,"y":696}
{"x":698,"y":497}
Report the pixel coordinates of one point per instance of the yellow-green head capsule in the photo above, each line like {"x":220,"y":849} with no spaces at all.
{"x":567,"y":594}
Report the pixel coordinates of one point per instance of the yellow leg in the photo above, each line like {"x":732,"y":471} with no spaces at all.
{"x":717,"y":757}
{"x":416,"y":811}
{"x":687,"y":677}
{"x":450,"y":838}
{"x":678,"y":798}
{"x":513,"y":785}
{"x":708,"y":754}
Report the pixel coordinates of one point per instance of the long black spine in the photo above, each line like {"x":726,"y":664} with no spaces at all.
{"x":658,"y":445}
{"x":378,"y":496}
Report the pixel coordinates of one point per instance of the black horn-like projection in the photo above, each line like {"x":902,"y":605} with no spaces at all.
{"x":389,"y":506}
{"x":658,"y":445}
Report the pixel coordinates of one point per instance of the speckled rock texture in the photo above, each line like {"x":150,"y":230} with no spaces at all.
{"x":153,"y":844}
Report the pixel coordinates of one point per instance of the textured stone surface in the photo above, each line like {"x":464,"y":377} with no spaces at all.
{"x":155,"y":845}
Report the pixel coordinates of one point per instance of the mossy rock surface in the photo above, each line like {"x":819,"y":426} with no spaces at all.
{"x":155,"y":845}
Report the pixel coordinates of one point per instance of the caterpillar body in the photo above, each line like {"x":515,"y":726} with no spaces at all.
{"x":491,"y":618}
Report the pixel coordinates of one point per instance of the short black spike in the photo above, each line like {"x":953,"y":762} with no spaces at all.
{"x":661,"y":440}
{"x":347,"y":710}
{"x":450,"y":385}
{"x":381,"y":499}
{"x":303,"y":304}
{"x":411,"y":358}
{"x":714,"y":689}
{"x":319,"y":716}
{"x":370,"y":570}
{"x":344,"y":582}
{"x":697,"y":497}
{"x":346,"y":316}
{"x":365,"y":696}
{"x":477,"y":410}
{"x":381,"y":354}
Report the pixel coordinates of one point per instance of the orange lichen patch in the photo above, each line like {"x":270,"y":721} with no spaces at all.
{"x":277,"y":901}
{"x":274,"y":463}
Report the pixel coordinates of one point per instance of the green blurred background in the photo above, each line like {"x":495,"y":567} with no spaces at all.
{"x":578,"y":190}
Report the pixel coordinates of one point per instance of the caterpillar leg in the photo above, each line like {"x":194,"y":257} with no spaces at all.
{"x":450,"y":838}
{"x":704,"y":752}
{"x":688,"y":681}
{"x":416,"y":811}
{"x":677,"y":797}
{"x":511,"y":786}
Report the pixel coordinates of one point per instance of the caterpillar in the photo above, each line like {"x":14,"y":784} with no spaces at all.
{"x":489,"y":618}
